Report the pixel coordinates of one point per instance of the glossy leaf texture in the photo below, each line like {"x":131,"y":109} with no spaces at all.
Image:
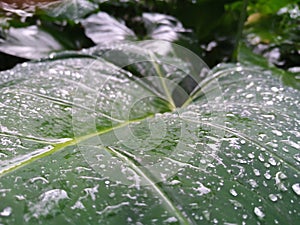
{"x":102,"y":27}
{"x":70,"y":9}
{"x":84,"y":141}
{"x":30,"y":43}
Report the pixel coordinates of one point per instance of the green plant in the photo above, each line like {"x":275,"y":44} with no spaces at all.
{"x":225,"y":145}
{"x":144,"y":133}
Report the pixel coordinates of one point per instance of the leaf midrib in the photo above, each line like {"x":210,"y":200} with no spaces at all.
{"x":168,"y":203}
{"x":59,"y":146}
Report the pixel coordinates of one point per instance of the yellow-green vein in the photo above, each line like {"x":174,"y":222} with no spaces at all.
{"x":59,"y":146}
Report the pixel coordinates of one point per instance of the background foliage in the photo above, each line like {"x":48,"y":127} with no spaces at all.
{"x":254,"y":176}
{"x":209,"y":28}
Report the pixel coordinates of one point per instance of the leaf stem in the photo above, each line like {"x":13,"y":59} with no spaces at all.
{"x":159,"y":73}
{"x":239,"y":31}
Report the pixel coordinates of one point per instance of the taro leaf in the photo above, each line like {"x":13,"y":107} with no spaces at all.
{"x":70,"y":9}
{"x":163,"y":27}
{"x":102,"y":28}
{"x":247,"y":57}
{"x":185,"y":75}
{"x":136,"y":160}
{"x":30,"y":43}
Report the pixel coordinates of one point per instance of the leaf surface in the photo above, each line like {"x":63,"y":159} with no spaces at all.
{"x":83,"y":141}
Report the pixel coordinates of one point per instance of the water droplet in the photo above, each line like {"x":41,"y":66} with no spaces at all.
{"x":272,"y":161}
{"x":277,"y":132}
{"x":280,"y":185}
{"x":253,"y":183}
{"x":256,"y":172}
{"x":296,"y":188}
{"x":174,"y":182}
{"x":6,"y":212}
{"x":20,"y":197}
{"x":251,"y":155}
{"x":273,"y":197}
{"x":250,"y":85}
{"x":236,"y":203}
{"x":233,"y":192}
{"x":274,"y":89}
{"x":78,"y":205}
{"x":259,"y":213}
{"x":48,"y":204}
{"x":267,"y":175}
{"x":249,"y":96}
{"x":42,"y":179}
{"x":202,"y":190}
{"x":297,"y":157}
{"x":171,"y":220}
{"x":261,"y":158}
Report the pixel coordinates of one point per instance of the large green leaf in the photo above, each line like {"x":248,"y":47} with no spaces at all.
{"x":85,"y":142}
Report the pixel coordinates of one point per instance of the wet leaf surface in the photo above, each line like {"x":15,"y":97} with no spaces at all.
{"x":83,"y":142}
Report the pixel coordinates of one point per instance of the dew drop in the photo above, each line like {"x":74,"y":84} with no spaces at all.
{"x":251,"y":155}
{"x":274,"y":89}
{"x":272,"y":161}
{"x":253,"y":183}
{"x":277,"y":132}
{"x":296,"y":188}
{"x":6,"y":212}
{"x":249,"y":96}
{"x":174,"y":182}
{"x":259,"y":213}
{"x":233,"y":192}
{"x":261,"y":158}
{"x":297,"y":157}
{"x":273,"y":197}
{"x":269,"y":103}
{"x":171,"y":220}
{"x":267,"y":176}
{"x":256,"y":172}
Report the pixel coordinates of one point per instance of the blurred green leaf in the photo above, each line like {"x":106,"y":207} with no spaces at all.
{"x":70,"y":9}
{"x":103,"y":28}
{"x":269,"y":6}
{"x":247,"y":57}
{"x":29,"y":42}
